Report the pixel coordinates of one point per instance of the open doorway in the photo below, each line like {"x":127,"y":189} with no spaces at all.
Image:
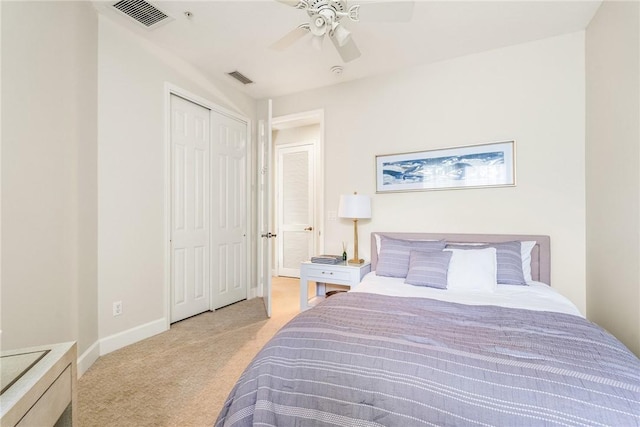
{"x":297,"y":190}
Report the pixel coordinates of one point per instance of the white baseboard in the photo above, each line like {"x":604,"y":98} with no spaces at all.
{"x":88,"y":358}
{"x":133,"y":335}
{"x":117,"y":341}
{"x":253,"y":292}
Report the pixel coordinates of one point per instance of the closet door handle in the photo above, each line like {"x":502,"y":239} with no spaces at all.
{"x":308,"y":229}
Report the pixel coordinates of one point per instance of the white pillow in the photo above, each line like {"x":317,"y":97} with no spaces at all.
{"x":525,"y":253}
{"x":526,"y":246}
{"x":472,"y":270}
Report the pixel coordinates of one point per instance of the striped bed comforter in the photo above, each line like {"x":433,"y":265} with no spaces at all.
{"x":363,"y":359}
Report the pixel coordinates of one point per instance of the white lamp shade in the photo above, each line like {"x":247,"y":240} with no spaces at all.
{"x":356,"y":206}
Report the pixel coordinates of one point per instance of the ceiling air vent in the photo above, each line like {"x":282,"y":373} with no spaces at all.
{"x":240,"y":77}
{"x":143,"y":12}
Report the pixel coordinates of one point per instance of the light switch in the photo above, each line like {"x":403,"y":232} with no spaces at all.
{"x":332,"y":215}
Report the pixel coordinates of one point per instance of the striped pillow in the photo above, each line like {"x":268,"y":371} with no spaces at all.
{"x":393,"y":260}
{"x":428,"y":269}
{"x":508,"y":258}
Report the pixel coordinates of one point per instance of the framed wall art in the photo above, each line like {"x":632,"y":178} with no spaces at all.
{"x":472,"y":166}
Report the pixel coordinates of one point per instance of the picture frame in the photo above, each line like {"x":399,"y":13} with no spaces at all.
{"x":471,"y":166}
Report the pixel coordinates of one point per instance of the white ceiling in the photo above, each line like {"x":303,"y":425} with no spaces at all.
{"x":224,"y":36}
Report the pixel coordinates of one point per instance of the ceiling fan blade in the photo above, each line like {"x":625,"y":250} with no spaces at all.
{"x":291,"y":37}
{"x":349,"y":51}
{"x":391,"y":11}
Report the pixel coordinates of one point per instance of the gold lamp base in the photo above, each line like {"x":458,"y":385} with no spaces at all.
{"x":356,"y":259}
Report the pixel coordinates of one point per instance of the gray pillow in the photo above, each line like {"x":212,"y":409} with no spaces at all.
{"x":508,"y":259}
{"x":393,"y":260}
{"x":428,"y":269}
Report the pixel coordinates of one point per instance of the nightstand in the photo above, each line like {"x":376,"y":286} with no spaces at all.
{"x":39,"y":386}
{"x":338,"y":274}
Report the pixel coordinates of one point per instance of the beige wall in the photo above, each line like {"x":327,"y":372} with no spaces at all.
{"x":87,"y":183}
{"x":131,"y":189}
{"x":532,"y":93}
{"x":613,"y":170}
{"x":49,"y":101}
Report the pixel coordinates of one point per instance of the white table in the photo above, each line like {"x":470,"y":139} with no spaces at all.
{"x":338,"y":274}
{"x":39,"y":386}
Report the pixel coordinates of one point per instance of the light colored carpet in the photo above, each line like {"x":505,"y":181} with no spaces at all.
{"x":183,"y":376}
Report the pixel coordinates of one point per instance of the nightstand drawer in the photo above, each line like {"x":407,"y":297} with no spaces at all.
{"x":341,"y":273}
{"x":51,"y":404}
{"x":326,"y":274}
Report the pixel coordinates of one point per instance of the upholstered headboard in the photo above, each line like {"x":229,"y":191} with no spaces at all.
{"x":540,"y":254}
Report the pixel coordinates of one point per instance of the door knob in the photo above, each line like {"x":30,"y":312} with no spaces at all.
{"x":268,"y":235}
{"x":308,"y":229}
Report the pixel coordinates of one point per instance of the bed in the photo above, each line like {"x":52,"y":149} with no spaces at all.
{"x":389,"y":353}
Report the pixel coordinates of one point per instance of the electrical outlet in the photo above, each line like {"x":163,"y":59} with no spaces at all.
{"x":117,"y":308}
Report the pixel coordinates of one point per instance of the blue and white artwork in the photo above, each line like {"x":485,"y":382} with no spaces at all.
{"x":474,"y":166}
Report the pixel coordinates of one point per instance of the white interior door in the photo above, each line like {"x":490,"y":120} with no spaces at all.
{"x":265,"y":203}
{"x":296,"y":208}
{"x":229,"y":210}
{"x":190,"y":209}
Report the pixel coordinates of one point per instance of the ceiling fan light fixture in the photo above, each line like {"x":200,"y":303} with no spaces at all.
{"x":325,"y":17}
{"x":341,"y":34}
{"x":318,"y":25}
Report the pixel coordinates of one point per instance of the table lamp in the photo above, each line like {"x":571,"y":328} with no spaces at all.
{"x":355,"y":206}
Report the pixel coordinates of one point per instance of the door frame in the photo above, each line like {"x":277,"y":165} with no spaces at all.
{"x":264,"y":201}
{"x":171,"y":89}
{"x":277,"y":214}
{"x":298,"y":120}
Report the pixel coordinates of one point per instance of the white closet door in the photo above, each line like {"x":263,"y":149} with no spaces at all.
{"x":296,"y":197}
{"x":229,"y":211}
{"x":190,"y":209}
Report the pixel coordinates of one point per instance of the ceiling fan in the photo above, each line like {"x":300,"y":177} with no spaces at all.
{"x":325,"y":19}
